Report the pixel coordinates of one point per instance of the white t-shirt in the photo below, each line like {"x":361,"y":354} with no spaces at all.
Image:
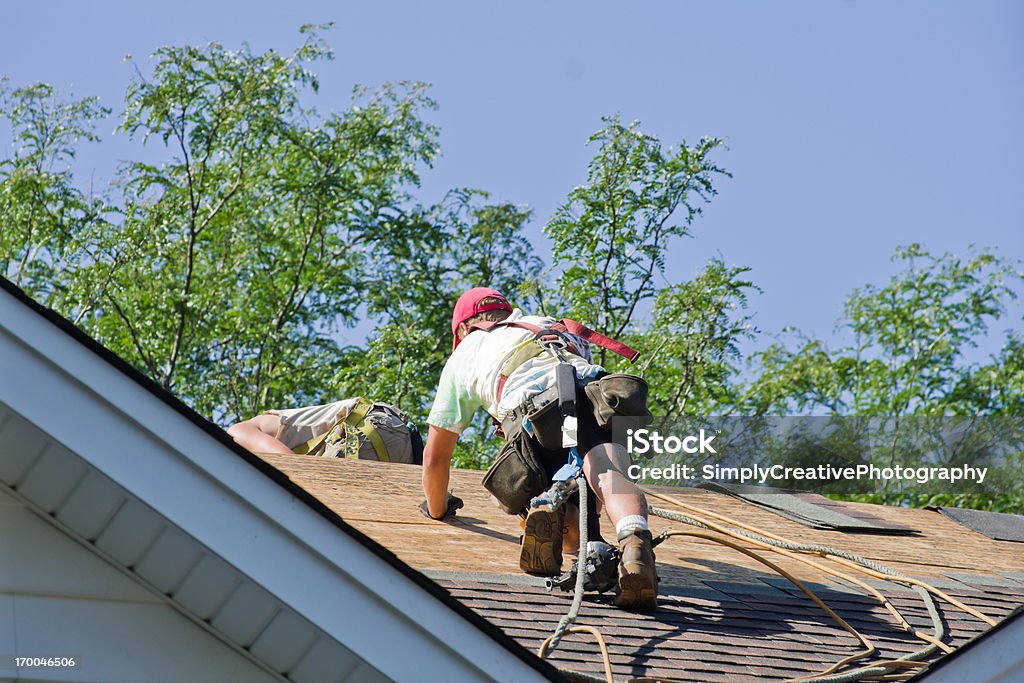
{"x":471,"y":376}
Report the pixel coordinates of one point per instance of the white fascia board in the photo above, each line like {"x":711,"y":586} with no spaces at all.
{"x":227,"y":504}
{"x":995,"y":657}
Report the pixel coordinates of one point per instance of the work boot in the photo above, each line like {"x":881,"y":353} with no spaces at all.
{"x":638,"y":578}
{"x":542,"y":541}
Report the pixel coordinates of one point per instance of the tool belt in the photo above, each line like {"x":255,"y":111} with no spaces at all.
{"x":611,"y":395}
{"x":618,"y":394}
{"x":541,"y":411}
{"x":535,"y":427}
{"x":517,"y":474}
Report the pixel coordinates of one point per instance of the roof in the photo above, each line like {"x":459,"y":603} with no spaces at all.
{"x":722,"y":615}
{"x":122,"y":467}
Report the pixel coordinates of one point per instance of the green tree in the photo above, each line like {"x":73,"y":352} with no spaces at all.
{"x":911,"y":342}
{"x":237,"y":259}
{"x":910,"y":365}
{"x":226,"y":268}
{"x":693,"y":342}
{"x":610,"y":242}
{"x":610,"y":238}
{"x":432,"y":254}
{"x":44,"y":214}
{"x":996,"y":387}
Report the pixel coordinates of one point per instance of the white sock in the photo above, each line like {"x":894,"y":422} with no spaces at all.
{"x":629,"y":524}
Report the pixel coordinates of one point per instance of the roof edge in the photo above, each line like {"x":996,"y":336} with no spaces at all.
{"x":1014,"y":618}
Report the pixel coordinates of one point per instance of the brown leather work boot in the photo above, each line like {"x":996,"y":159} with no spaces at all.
{"x":542,"y":541}
{"x":638,"y":578}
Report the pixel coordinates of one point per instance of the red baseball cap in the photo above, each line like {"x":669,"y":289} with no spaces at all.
{"x":469,"y":305}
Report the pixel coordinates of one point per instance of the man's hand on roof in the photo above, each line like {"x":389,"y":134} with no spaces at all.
{"x":453,"y":503}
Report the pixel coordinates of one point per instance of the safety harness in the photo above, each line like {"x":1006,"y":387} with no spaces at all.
{"x":355,"y":424}
{"x":552,"y":338}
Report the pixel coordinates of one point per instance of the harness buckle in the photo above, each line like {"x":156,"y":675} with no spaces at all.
{"x":553,"y":340}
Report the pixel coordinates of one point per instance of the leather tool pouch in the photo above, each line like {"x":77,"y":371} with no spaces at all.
{"x":547,"y":425}
{"x":516,"y":475}
{"x":618,"y":394}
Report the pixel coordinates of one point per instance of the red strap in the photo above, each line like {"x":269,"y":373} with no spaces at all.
{"x":581,"y":330}
{"x":570,"y":326}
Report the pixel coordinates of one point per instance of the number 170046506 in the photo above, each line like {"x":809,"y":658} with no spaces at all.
{"x":33,"y":662}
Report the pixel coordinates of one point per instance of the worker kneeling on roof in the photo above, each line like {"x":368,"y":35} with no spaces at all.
{"x":353,"y":428}
{"x":535,"y":377}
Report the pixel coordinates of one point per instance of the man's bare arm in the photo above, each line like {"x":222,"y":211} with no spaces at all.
{"x":437,"y":458}
{"x":258,"y":434}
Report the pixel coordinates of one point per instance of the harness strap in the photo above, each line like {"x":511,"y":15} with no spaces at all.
{"x":514,"y":419}
{"x":354,"y":422}
{"x":615,"y":346}
{"x":525,"y":352}
{"x":312,"y":445}
{"x":570,"y":326}
{"x":531,"y":350}
{"x":542,"y":334}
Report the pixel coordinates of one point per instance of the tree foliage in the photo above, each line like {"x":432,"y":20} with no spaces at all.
{"x":44,"y":213}
{"x":228,"y":265}
{"x":911,"y":362}
{"x":611,"y":241}
{"x":995,"y":387}
{"x":237,"y":258}
{"x":694,"y":342}
{"x":611,"y":237}
{"x":433,"y":254}
{"x":910,"y":349}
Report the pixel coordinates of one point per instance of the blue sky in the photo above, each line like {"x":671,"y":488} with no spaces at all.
{"x":852,"y":127}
